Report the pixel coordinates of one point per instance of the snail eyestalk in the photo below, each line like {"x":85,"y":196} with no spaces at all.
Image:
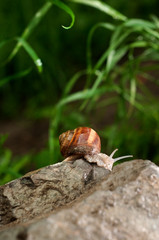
{"x":112,"y":154}
{"x":119,"y":158}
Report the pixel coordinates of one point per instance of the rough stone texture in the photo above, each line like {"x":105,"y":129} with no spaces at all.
{"x":123,"y":206}
{"x":46,"y":189}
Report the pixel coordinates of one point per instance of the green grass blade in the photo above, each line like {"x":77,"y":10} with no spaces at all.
{"x":54,"y":123}
{"x":102,"y":7}
{"x":98,"y":80}
{"x":75,"y":96}
{"x":73,"y":80}
{"x":152,"y":33}
{"x":5,"y":161}
{"x":67,"y":10}
{"x":31,"y":53}
{"x":4,"y":42}
{"x":107,"y":26}
{"x":104,"y":103}
{"x":139,"y":23}
{"x":28,"y":49}
{"x":139,"y":44}
{"x":21,"y":163}
{"x":117,"y":38}
{"x":14,"y":76}
{"x":114,"y":57}
{"x":32,"y":25}
{"x":86,"y":94}
{"x":3,"y":138}
{"x":126,"y":96}
{"x":155,"y":20}
{"x":100,"y":77}
{"x":132,"y":91}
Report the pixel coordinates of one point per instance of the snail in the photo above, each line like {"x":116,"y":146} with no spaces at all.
{"x":85,"y":142}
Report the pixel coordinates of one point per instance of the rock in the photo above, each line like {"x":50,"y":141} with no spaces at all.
{"x":46,"y":189}
{"x":124,"y":205}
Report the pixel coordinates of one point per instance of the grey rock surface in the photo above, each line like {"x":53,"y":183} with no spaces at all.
{"x":123,"y":206}
{"x":46,"y":189}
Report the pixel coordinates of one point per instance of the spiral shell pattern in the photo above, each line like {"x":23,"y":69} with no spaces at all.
{"x":80,"y":141}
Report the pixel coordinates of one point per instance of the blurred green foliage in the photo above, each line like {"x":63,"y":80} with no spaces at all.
{"x":102,"y":73}
{"x":10,"y":169}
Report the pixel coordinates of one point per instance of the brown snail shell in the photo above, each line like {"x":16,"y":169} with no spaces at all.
{"x":85,"y":142}
{"x":80,"y":141}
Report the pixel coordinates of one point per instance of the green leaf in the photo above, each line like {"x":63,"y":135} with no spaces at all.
{"x":126,"y":96}
{"x":156,"y":20}
{"x":139,"y":44}
{"x":21,"y":163}
{"x":5,"y":161}
{"x":94,"y":89}
{"x":14,"y":76}
{"x":4,"y":42}
{"x":31,"y":53}
{"x":73,"y":80}
{"x":75,"y":96}
{"x":88,"y":93}
{"x":114,"y":57}
{"x":102,"y":7}
{"x":3,"y":138}
{"x":132,"y":91}
{"x":107,"y":26}
{"x":153,"y":33}
{"x":136,"y":23}
{"x":117,"y":38}
{"x":67,"y":10}
{"x":99,"y":80}
{"x":104,"y":103}
{"x":32,"y":25}
{"x":28,"y":49}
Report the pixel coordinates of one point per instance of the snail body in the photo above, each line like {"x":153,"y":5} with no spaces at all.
{"x":85,"y":142}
